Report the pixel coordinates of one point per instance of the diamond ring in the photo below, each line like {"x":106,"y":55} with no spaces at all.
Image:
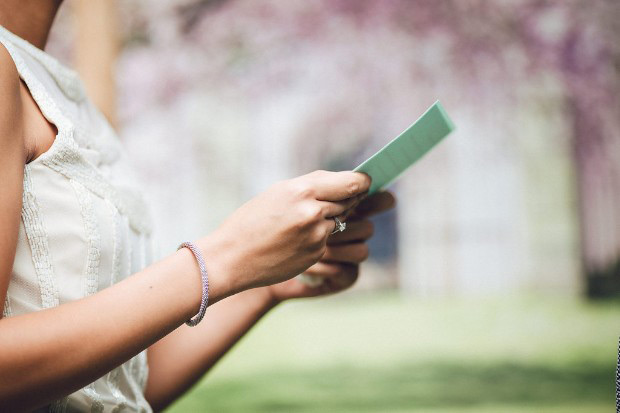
{"x":340,"y":226}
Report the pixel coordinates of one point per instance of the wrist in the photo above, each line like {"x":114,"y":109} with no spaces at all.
{"x":220,"y":255}
{"x":221,"y":281}
{"x":259,"y":300}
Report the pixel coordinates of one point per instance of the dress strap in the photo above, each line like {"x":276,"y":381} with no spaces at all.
{"x":67,"y":79}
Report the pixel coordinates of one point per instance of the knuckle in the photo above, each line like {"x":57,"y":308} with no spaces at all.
{"x":353,"y":188}
{"x":302,"y":189}
{"x":311,"y":213}
{"x":318,"y":238}
{"x":303,"y":218}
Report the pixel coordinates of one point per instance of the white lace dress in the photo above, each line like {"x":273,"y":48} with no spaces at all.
{"x":84,"y":226}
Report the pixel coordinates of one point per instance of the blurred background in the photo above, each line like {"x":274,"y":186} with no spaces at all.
{"x":494,"y":284}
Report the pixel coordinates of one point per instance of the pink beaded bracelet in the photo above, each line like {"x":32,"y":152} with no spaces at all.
{"x":205,"y":283}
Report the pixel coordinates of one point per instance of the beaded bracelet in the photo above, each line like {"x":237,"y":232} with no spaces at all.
{"x":205,"y":283}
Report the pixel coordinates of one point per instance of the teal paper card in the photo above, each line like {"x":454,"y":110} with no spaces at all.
{"x":407,"y":148}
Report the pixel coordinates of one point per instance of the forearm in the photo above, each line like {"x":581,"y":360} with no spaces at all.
{"x":51,"y":353}
{"x":180,"y":359}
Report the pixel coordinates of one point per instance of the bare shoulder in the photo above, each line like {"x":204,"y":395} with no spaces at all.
{"x":10,"y":108}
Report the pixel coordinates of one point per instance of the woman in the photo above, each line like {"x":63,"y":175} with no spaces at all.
{"x":82,"y":303}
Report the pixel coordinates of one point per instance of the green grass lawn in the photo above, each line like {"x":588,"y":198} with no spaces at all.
{"x":387,"y":353}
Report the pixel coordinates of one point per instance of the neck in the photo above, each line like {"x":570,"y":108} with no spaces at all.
{"x":29,"y":19}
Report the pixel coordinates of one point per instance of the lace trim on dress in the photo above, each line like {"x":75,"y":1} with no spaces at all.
{"x":37,"y":238}
{"x":7,"y":312}
{"x":93,"y":239}
{"x":112,"y":377}
{"x":138,"y":367}
{"x":143,"y":371}
{"x":112,"y":380}
{"x":117,"y":243}
{"x":71,"y":164}
{"x":96,"y":405}
{"x":128,"y":250}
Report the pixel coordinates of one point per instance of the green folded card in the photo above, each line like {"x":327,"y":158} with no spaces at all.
{"x":407,"y":148}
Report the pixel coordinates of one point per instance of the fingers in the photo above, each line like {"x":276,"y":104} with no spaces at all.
{"x":374,"y":204}
{"x":356,"y":231}
{"x":336,"y":277}
{"x":324,"y":269}
{"x":329,"y":225}
{"x":334,"y":186}
{"x":345,"y":279}
{"x":333,"y":209}
{"x":353,"y":253}
{"x":329,"y":210}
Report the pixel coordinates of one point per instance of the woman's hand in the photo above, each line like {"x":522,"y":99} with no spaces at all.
{"x":339,"y":266}
{"x":281,"y":232}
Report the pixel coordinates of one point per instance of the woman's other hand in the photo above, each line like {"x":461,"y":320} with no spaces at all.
{"x":339,"y":266}
{"x":281,"y":232}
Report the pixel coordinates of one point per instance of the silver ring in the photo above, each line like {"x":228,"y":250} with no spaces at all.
{"x":340,"y":226}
